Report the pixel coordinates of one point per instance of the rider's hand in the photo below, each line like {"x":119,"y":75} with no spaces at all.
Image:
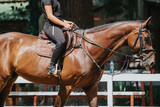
{"x":67,"y":26}
{"x":70,"y":23}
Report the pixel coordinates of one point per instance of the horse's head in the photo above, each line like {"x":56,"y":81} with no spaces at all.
{"x":140,"y":41}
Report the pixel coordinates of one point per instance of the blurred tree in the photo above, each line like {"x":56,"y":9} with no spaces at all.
{"x":131,"y":9}
{"x":113,"y":7}
{"x":120,"y":10}
{"x":35,"y":12}
{"x":78,"y":11}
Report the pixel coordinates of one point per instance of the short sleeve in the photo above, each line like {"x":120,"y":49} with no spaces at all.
{"x":45,"y":2}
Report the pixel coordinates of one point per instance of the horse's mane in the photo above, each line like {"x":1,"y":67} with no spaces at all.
{"x":105,"y":26}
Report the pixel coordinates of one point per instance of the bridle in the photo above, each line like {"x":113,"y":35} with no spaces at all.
{"x":139,"y":37}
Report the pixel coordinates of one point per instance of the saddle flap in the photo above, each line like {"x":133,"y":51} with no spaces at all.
{"x":45,"y":47}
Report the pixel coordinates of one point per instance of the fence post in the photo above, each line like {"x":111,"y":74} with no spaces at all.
{"x":151,"y":88}
{"x":132,"y":100}
{"x":35,"y":101}
{"x":143,"y":97}
{"x":110,"y":91}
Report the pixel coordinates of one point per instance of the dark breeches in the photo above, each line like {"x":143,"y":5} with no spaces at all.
{"x":54,"y":33}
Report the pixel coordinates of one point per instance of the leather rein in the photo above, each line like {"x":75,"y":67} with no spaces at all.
{"x":139,"y":37}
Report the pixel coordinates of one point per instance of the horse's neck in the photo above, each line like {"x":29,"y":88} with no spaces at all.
{"x":112,"y":38}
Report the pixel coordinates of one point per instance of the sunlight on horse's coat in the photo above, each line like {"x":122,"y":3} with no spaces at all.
{"x":79,"y":71}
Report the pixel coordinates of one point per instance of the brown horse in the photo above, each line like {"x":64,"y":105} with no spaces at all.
{"x":18,"y":58}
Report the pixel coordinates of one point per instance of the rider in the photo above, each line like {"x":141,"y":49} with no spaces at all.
{"x":53,"y":29}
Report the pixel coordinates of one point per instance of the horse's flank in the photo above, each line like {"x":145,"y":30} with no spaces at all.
{"x":20,"y":54}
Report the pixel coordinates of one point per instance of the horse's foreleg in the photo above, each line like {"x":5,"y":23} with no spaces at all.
{"x":6,"y":90}
{"x":92,"y":96}
{"x":3,"y":82}
{"x":63,"y":95}
{"x":2,"y":86}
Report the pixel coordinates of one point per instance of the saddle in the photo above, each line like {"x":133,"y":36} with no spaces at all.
{"x":45,"y":47}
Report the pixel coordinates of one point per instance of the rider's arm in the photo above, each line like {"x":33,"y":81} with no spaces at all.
{"x":54,"y":19}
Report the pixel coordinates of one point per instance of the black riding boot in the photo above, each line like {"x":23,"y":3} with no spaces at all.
{"x":55,"y":57}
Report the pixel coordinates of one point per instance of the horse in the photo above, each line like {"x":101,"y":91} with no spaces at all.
{"x":82,"y":68}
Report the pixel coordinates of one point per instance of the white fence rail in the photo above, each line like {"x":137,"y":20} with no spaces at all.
{"x":105,"y":78}
{"x":126,"y":77}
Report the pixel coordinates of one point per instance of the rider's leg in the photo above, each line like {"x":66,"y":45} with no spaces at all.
{"x":58,"y":52}
{"x":56,"y":35}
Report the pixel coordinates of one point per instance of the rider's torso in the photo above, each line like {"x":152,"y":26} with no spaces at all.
{"x":55,"y":8}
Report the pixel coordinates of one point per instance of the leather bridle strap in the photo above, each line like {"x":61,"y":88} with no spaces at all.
{"x":139,"y":37}
{"x":94,"y":43}
{"x":153,"y":52}
{"x":142,"y":50}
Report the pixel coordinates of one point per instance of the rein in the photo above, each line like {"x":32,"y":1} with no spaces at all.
{"x":116,"y":53}
{"x":94,"y":43}
{"x":139,"y":36}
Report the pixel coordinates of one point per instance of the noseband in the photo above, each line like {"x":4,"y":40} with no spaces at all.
{"x":139,"y":37}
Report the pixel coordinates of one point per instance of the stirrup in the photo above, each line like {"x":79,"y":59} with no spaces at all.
{"x":53,"y":69}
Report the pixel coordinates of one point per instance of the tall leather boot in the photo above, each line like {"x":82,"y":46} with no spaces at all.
{"x":55,"y":57}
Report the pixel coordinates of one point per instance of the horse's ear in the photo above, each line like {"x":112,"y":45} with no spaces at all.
{"x":147,"y":22}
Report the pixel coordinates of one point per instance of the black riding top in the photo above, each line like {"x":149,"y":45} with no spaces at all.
{"x":55,"y":7}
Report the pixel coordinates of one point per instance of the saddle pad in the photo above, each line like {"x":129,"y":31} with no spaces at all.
{"x":45,"y":48}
